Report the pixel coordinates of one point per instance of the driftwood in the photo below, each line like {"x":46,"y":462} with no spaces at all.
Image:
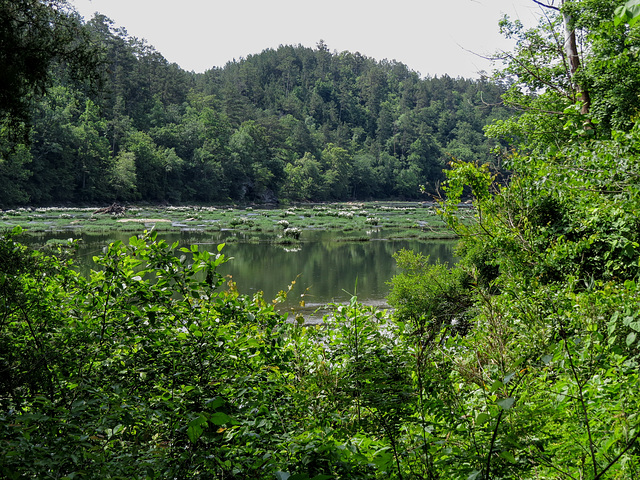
{"x":113,"y":209}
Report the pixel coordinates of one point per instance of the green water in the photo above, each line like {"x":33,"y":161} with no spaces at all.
{"x":325,"y":269}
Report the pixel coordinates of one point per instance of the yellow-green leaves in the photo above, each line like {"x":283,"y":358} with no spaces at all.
{"x":627,"y":13}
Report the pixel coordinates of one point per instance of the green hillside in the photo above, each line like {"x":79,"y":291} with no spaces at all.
{"x":294,"y":123}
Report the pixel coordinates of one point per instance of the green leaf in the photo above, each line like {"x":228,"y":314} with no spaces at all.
{"x":508,"y":456}
{"x":282,"y":475}
{"x":627,"y":13}
{"x":496,"y":386}
{"x":220,"y":418}
{"x":474,"y":475}
{"x":214,"y":403}
{"x":482,"y":418}
{"x":194,"y":432}
{"x":631,"y":338}
{"x":506,"y":403}
{"x":195,"y":428}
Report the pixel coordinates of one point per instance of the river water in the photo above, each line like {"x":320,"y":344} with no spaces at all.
{"x":325,"y":269}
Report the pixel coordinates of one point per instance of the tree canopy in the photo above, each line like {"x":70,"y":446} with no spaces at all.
{"x":237,"y":133}
{"x":36,"y":37}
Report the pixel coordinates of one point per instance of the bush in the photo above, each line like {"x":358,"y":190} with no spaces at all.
{"x":430,"y":297}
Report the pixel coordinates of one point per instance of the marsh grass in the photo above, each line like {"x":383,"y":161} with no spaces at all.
{"x":286,"y":241}
{"x":409,"y":220}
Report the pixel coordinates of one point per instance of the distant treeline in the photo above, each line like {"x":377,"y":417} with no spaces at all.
{"x":294,"y":123}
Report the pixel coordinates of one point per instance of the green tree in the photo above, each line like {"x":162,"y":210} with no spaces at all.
{"x":93,"y":157}
{"x":150,"y":165}
{"x":338,"y":165}
{"x":365,"y":182}
{"x":14,"y":173}
{"x":35,"y":36}
{"x":122,"y":178}
{"x":563,"y":98}
{"x":304,"y":179}
{"x":53,"y":147}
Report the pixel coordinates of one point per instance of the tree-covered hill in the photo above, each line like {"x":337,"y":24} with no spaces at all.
{"x":294,"y":123}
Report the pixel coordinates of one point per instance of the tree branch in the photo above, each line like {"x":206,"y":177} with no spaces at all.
{"x":612,"y":462}
{"x":553,"y":7}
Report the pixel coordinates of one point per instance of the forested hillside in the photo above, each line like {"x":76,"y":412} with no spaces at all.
{"x":294,"y":123}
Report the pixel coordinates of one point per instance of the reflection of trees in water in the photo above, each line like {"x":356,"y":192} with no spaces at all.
{"x":327,"y":266}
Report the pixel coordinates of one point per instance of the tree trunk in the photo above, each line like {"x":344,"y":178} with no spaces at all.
{"x":571,"y":50}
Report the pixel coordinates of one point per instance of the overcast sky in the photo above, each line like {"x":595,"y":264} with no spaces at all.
{"x":431,"y":37}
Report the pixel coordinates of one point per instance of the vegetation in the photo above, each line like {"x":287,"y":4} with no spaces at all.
{"x":36,"y":37}
{"x":519,"y":362}
{"x":400,"y":219}
{"x":285,"y":124}
{"x":536,"y":328}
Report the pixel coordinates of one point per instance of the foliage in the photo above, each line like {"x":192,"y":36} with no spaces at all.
{"x":573,"y":76}
{"x":551,"y":354}
{"x":294,"y":123}
{"x":135,"y":366}
{"x":543,"y":383}
{"x":36,"y":36}
{"x":629,"y":13}
{"x":521,"y":361}
{"x":155,"y":366}
{"x":429,"y":298}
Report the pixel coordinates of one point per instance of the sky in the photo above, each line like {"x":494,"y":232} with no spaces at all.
{"x":432,"y":37}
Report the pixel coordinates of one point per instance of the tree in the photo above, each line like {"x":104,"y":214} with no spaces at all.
{"x":92,"y":160}
{"x":571,"y":57}
{"x":338,"y":165}
{"x":304,"y":179}
{"x":149,"y":166}
{"x":576,"y":74}
{"x":34,"y":36}
{"x":14,"y":173}
{"x":123,"y":176}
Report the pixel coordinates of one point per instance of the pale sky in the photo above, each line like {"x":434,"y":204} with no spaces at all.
{"x":432,"y":37}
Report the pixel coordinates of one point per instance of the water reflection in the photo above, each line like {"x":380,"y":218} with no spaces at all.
{"x":325,"y":269}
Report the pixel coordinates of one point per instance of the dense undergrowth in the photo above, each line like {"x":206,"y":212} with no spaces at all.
{"x":154,"y":368}
{"x":519,"y":362}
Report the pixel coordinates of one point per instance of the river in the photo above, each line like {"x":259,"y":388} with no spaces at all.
{"x":325,"y":269}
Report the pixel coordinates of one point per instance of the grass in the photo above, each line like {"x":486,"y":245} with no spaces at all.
{"x":408,"y":220}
